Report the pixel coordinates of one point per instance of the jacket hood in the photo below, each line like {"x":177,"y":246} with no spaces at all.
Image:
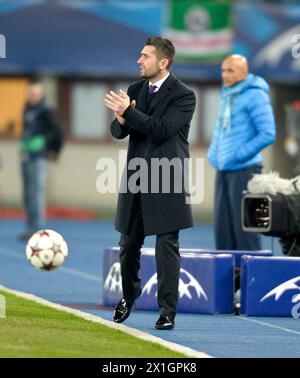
{"x":250,"y":82}
{"x":256,"y":82}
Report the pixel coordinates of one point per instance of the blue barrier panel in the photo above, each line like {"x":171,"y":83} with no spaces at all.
{"x":205,"y":286}
{"x":236,"y":254}
{"x":206,"y":282}
{"x":270,"y":286}
{"x":112,"y":282}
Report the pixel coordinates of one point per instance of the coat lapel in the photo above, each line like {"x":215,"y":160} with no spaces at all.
{"x":163,"y":92}
{"x":141,"y":103}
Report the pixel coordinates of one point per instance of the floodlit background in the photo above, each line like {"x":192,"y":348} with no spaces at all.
{"x":81,"y":49}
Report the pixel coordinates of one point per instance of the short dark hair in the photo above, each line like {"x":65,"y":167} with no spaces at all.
{"x":164,"y":47}
{"x":34,"y":80}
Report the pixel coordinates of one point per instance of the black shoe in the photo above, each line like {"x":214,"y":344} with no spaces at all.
{"x":165,"y":322}
{"x":122,"y":311}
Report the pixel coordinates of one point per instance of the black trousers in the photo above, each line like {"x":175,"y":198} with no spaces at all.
{"x":167,"y":262}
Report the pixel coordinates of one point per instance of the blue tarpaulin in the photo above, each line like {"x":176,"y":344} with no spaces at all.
{"x":104,"y":39}
{"x":63,"y":39}
{"x":269,"y":36}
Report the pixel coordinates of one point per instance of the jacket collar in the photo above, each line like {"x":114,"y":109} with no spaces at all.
{"x":163,"y":91}
{"x":160,"y":82}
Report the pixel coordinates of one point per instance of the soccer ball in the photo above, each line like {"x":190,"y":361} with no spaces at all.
{"x":46,"y":250}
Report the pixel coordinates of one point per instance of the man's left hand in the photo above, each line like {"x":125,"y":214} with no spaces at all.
{"x":117,"y":103}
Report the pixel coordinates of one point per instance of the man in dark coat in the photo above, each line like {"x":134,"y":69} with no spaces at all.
{"x":154,"y":200}
{"x":42,"y":139}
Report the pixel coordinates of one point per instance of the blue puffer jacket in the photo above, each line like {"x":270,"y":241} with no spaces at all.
{"x":251,"y":126}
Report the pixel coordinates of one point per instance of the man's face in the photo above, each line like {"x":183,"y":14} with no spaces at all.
{"x":35,"y":94}
{"x":150,"y":65}
{"x":232,"y":72}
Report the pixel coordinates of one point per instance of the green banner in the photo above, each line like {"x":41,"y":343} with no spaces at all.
{"x":200,"y":30}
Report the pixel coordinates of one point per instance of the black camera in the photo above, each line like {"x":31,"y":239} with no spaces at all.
{"x":274,"y":215}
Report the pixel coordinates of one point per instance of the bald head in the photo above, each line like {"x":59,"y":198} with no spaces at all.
{"x":35,"y":94}
{"x":234,"y":70}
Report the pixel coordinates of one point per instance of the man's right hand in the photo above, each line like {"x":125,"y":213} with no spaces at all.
{"x":120,"y":119}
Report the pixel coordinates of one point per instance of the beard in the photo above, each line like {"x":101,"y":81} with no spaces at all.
{"x":149,"y":74}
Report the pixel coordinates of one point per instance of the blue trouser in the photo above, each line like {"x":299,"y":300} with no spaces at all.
{"x":33,"y":178}
{"x":229,"y":189}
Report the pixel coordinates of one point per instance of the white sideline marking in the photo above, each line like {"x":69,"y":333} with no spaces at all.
{"x":120,"y":327}
{"x":268,"y":325}
{"x":74,"y":272}
{"x":80,"y":274}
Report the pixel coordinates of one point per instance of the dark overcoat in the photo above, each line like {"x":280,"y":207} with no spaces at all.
{"x":158,"y":130}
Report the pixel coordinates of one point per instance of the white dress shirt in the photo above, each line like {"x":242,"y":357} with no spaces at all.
{"x":159,"y":83}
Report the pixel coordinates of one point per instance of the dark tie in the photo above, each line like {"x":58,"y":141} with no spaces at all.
{"x":152,"y":89}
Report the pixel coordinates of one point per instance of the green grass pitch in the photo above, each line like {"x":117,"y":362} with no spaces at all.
{"x":34,"y":330}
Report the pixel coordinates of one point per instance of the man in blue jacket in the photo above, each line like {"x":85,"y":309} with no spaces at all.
{"x":244,"y":127}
